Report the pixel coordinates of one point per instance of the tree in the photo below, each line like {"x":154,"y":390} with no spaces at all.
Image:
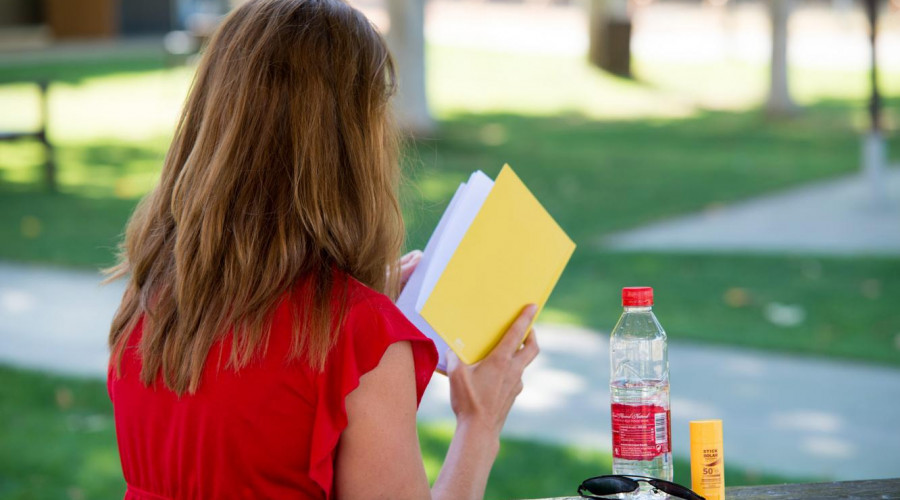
{"x":780,"y":102}
{"x":610,"y":36}
{"x":874,"y":145}
{"x":407,"y":41}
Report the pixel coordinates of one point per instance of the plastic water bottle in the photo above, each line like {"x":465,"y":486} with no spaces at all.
{"x":639,"y":390}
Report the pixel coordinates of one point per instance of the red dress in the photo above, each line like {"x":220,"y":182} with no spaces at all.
{"x":269,"y":430}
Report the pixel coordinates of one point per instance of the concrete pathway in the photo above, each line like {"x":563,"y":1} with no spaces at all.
{"x":836,"y":217}
{"x":794,"y":416}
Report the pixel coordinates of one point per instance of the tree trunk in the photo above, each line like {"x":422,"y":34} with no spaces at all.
{"x":874,"y":146}
{"x":610,"y":36}
{"x":407,"y":41}
{"x":780,"y":102}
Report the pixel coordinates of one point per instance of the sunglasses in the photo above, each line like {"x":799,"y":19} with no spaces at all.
{"x":600,"y":486}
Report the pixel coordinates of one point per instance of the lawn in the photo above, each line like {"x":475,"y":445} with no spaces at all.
{"x":602,"y":153}
{"x":76,"y":416}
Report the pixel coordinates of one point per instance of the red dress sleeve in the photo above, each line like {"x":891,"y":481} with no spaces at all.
{"x":370,"y":326}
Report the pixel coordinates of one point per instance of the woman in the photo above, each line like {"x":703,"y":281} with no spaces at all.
{"x":256,"y":353}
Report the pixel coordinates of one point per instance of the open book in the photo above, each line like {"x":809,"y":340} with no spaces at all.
{"x":494,"y":251}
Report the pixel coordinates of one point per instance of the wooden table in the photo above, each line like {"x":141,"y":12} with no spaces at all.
{"x":882,"y":489}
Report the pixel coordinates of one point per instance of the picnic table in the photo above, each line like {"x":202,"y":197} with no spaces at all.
{"x":883,"y":489}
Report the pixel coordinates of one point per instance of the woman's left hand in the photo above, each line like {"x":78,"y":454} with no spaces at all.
{"x":408,"y":264}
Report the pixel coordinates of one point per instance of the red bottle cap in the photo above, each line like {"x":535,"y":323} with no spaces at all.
{"x":637,"y":296}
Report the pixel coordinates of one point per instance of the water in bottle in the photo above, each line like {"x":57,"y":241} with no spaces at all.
{"x":639,"y":390}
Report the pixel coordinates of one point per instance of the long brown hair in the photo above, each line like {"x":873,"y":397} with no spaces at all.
{"x":283,"y":168}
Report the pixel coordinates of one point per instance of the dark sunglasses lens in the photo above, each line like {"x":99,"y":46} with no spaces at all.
{"x":609,"y":485}
{"x":674,"y":490}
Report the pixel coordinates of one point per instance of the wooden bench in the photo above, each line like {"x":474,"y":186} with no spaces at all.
{"x":849,"y":490}
{"x":40,"y":135}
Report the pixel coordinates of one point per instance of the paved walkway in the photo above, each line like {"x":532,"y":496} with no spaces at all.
{"x":794,"y":416}
{"x":835,"y":217}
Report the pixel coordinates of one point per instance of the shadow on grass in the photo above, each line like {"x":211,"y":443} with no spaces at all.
{"x":61,"y":229}
{"x":76,"y":68}
{"x":100,"y":184}
{"x":103,"y":168}
{"x":122,"y":156}
{"x":81,"y":225}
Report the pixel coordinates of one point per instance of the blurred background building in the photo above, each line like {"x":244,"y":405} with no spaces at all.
{"x":38,"y":23}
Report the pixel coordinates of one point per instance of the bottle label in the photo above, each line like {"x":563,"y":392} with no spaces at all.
{"x":640,"y":432}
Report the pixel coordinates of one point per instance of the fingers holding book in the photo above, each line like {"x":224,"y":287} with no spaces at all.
{"x":512,"y":340}
{"x":529,"y":350}
{"x":485,"y":392}
{"x":408,"y":264}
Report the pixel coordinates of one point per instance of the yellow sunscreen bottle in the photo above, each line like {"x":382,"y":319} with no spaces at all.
{"x":707,"y":459}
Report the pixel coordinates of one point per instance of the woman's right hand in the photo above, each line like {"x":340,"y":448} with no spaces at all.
{"x":482,"y":394}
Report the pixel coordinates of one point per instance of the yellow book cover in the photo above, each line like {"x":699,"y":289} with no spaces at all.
{"x":511,"y":254}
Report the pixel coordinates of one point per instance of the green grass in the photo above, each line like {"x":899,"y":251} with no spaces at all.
{"x":84,"y":66}
{"x":602,"y":153}
{"x":57,"y":440}
{"x":849,"y":304}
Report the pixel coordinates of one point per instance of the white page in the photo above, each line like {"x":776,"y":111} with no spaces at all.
{"x":460,"y":218}
{"x":410,"y":294}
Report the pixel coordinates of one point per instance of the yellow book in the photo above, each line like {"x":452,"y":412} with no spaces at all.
{"x":495,"y":250}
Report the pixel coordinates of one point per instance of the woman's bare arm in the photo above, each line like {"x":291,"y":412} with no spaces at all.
{"x":379,"y":455}
{"x":481,"y":396}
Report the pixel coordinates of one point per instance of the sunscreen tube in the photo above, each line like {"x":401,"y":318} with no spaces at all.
{"x":707,"y":459}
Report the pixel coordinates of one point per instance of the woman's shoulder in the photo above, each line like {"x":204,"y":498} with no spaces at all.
{"x":368,"y":305}
{"x":355,"y":303}
{"x":367,"y":318}
{"x":370,"y":324}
